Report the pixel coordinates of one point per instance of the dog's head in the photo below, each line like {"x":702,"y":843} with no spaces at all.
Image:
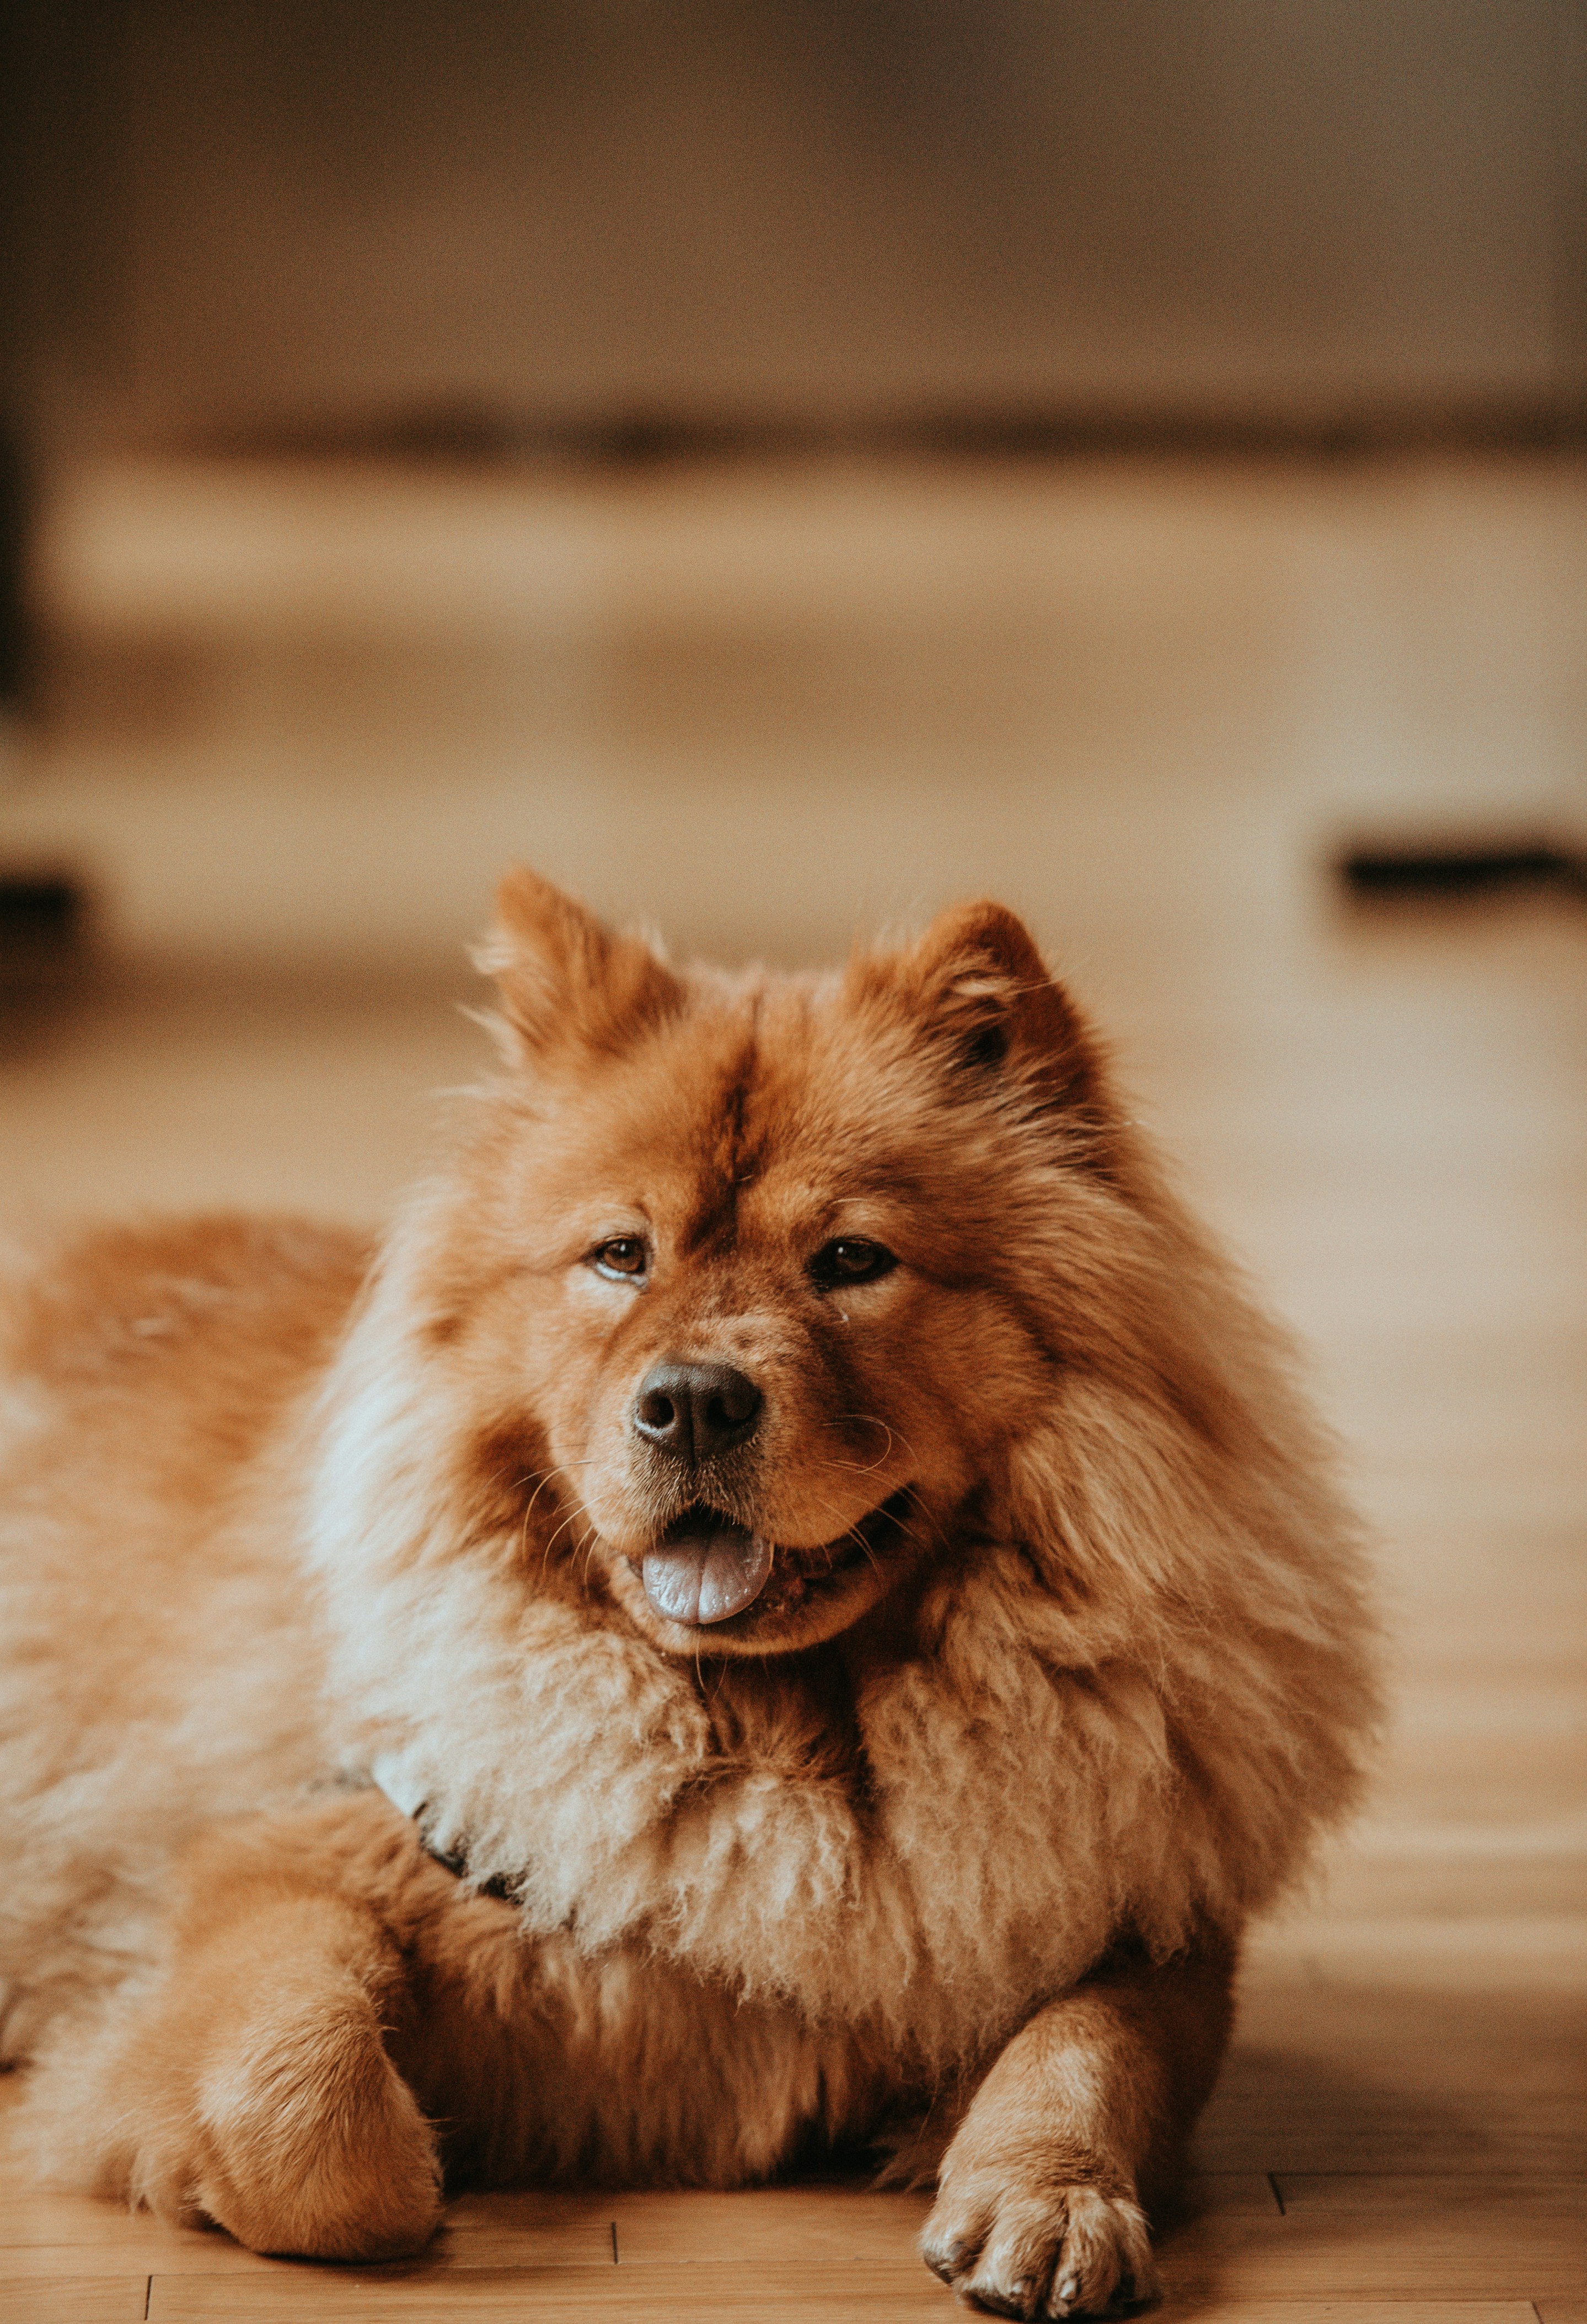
{"x":750,"y":1278}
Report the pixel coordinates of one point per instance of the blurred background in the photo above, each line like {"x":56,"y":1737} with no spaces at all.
{"x":780,"y":468}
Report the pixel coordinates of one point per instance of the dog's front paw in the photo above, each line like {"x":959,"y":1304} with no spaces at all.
{"x":1038,"y":2249}
{"x":302,"y":2139}
{"x":276,"y":2114}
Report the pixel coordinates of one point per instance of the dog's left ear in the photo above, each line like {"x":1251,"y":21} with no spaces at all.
{"x":566,"y":981}
{"x":975,"y":986}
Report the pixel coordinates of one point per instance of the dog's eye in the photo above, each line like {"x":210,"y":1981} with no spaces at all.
{"x":851,"y":1260}
{"x":624,"y":1257}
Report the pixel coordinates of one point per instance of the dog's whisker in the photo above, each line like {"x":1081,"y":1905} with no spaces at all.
{"x":544,"y":1477}
{"x":933,"y":1526}
{"x":570,"y":1519}
{"x":873,"y":1420}
{"x":588,"y":1545}
{"x":904,"y":1492}
{"x":852,"y":1531}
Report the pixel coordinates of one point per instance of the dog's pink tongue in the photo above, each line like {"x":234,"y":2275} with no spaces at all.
{"x":705,"y":1573}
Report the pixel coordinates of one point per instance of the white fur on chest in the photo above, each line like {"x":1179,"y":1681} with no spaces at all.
{"x":1005,"y":1822}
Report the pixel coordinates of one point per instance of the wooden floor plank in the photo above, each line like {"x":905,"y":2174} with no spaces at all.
{"x":1336,"y":2076}
{"x":1422,"y":2238}
{"x":726,"y":2294}
{"x":790,"y":2227}
{"x":1342,"y":2310}
{"x":1415,"y":2194}
{"x":37,"y":2220}
{"x":729,"y":2296}
{"x":73,"y":2299}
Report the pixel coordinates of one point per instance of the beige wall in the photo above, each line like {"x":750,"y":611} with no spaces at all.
{"x":270,"y":210}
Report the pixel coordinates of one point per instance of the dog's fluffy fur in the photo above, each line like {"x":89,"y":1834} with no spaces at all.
{"x":957,"y":1836}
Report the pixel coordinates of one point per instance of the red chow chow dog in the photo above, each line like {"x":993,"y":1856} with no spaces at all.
{"x":791,"y":1604}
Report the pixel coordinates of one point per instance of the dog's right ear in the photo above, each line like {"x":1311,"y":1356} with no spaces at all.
{"x":566,"y":981}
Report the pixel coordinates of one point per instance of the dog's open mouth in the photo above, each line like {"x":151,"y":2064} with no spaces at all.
{"x":706,"y":1568}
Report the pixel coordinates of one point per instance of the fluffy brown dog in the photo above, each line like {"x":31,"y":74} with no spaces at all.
{"x":794,"y":1602}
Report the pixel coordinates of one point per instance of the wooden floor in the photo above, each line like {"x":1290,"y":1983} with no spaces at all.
{"x":1393,"y":2149}
{"x":1387,"y":1116}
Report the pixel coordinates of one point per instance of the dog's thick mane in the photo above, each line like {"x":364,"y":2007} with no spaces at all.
{"x":1133,"y":1697}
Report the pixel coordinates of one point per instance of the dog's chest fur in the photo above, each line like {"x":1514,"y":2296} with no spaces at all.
{"x":924,"y":1845}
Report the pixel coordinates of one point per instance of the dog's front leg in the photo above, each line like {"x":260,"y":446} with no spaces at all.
{"x":249,"y":2084}
{"x":1087,"y":2109}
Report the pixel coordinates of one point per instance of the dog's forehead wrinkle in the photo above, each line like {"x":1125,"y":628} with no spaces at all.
{"x":806,"y":1103}
{"x":722,"y":1138}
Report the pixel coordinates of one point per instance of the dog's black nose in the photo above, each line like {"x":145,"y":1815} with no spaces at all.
{"x":694,"y":1410}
